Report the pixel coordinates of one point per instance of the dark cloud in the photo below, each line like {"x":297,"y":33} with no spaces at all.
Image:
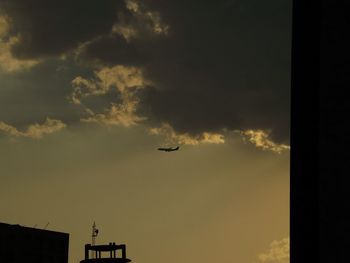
{"x":27,"y":97}
{"x":226,"y":64}
{"x":222,"y":64}
{"x":52,"y":27}
{"x":111,"y":50}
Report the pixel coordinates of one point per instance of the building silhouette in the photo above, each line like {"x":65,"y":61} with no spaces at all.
{"x":105,"y":254}
{"x":19,"y":244}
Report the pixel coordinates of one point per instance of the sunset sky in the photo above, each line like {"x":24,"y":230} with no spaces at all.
{"x":90,"y":89}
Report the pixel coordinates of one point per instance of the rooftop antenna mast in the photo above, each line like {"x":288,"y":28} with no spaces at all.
{"x":46,"y":225}
{"x":94,"y":233}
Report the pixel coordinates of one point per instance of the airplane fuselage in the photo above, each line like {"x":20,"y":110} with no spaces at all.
{"x":168,"y":149}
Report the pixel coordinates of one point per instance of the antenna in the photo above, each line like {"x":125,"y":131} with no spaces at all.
{"x":46,"y":225}
{"x":94,"y":233}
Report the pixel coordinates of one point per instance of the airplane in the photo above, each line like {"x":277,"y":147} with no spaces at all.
{"x":169,"y":149}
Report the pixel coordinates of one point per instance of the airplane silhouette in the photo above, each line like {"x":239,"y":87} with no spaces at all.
{"x":169,"y":149}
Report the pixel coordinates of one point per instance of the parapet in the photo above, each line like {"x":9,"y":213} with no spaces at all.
{"x":111,"y":249}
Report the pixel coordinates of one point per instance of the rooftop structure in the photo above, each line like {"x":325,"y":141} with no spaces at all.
{"x":110,"y":249}
{"x":19,"y":244}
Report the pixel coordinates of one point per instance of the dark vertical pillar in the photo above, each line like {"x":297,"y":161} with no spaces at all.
{"x":87,"y":246}
{"x":123,"y":251}
{"x":111,"y":249}
{"x":304,"y":136}
{"x":114,"y":251}
{"x":334,"y":144}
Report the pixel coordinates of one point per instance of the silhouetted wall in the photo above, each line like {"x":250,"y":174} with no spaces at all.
{"x":20,"y":244}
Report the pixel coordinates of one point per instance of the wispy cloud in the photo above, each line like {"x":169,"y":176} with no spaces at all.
{"x":172,"y":137}
{"x":126,"y":80}
{"x":261,"y":140}
{"x":4,"y":26}
{"x":8,"y":63}
{"x":35,"y":130}
{"x":118,"y":114}
{"x":277,"y":253}
{"x":143,"y":22}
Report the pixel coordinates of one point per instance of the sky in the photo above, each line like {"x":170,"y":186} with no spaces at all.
{"x":89,"y":91}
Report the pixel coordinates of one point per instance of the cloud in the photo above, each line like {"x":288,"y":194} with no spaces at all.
{"x":220,"y":65}
{"x":261,"y":140}
{"x":3,"y":26}
{"x":212,"y":74}
{"x":10,"y":64}
{"x":84,"y":88}
{"x":172,"y":137}
{"x":7,"y":62}
{"x":35,"y":130}
{"x":118,"y":114}
{"x":122,"y":78}
{"x":126,"y":81}
{"x":209,"y":65}
{"x":135,"y":24}
{"x":277,"y":253}
{"x":51,"y":28}
{"x":108,"y":50}
{"x":143,"y":22}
